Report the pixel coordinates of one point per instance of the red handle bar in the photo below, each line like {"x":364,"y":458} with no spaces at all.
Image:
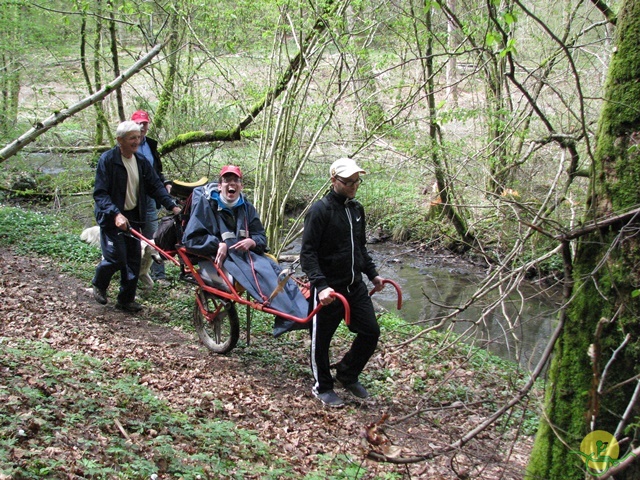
{"x":345,"y":304}
{"x":166,"y":255}
{"x":398,"y":291}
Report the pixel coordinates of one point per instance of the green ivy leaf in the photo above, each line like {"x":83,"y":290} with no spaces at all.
{"x":510,"y":18}
{"x":492,"y":38}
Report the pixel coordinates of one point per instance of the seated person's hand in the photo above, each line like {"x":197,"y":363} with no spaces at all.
{"x":222,"y":254}
{"x":244,"y":245}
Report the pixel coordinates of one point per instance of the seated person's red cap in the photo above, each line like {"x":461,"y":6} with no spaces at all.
{"x":140,"y":116}
{"x":231,"y":169}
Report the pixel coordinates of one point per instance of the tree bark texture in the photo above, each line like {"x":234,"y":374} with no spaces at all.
{"x":167,"y":93}
{"x":586,"y":390}
{"x":113,"y":41}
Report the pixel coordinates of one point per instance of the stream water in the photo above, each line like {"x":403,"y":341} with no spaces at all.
{"x":518,"y":330}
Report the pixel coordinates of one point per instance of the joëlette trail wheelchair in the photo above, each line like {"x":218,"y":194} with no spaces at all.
{"x":215,"y":315}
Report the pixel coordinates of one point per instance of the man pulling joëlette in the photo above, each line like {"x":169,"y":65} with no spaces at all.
{"x":334,"y":256}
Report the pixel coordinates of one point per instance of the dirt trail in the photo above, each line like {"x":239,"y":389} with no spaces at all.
{"x":38,"y":302}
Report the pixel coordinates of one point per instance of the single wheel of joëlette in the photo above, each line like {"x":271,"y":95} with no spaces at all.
{"x":220,"y":332}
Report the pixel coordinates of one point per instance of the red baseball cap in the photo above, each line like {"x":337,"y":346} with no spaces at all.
{"x":231,"y":169}
{"x":140,"y":116}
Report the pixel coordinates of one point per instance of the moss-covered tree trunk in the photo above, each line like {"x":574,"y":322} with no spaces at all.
{"x":166,"y":97}
{"x":582,"y":395}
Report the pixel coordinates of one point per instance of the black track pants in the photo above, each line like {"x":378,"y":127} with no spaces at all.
{"x":363,"y":323}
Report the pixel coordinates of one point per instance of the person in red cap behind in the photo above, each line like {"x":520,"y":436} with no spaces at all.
{"x":148,"y":148}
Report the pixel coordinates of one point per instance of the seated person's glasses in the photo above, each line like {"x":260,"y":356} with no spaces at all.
{"x":349,"y":183}
{"x":231,"y":180}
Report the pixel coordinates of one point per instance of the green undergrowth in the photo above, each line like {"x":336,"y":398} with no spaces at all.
{"x":54,"y":236}
{"x":48,"y":395}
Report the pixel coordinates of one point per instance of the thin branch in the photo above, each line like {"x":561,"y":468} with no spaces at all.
{"x":122,"y":430}
{"x":60,"y":116}
{"x":572,"y":67}
{"x":70,"y":13}
{"x":599,"y":225}
{"x":29,"y":194}
{"x":67,"y":150}
{"x":523,"y":392}
{"x":628,"y":411}
{"x":610,"y":362}
{"x":622,"y":384}
{"x":623,"y":465}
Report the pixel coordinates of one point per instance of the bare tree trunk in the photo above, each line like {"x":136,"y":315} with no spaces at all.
{"x":498,"y":107}
{"x":452,"y":64}
{"x":10,"y":93}
{"x":114,"y":59}
{"x":166,"y":95}
{"x":101,"y":122}
{"x":9,"y":70}
{"x":445,"y":186}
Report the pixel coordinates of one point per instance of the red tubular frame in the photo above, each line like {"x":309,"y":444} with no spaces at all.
{"x":233,"y":294}
{"x":398,"y":291}
{"x":168,"y":255}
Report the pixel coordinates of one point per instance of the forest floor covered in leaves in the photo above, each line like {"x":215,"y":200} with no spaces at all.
{"x":408,"y":419}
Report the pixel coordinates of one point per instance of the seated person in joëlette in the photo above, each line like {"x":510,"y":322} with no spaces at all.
{"x":225,"y":227}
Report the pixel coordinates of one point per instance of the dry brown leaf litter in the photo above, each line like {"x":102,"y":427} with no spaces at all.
{"x":37,"y":302}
